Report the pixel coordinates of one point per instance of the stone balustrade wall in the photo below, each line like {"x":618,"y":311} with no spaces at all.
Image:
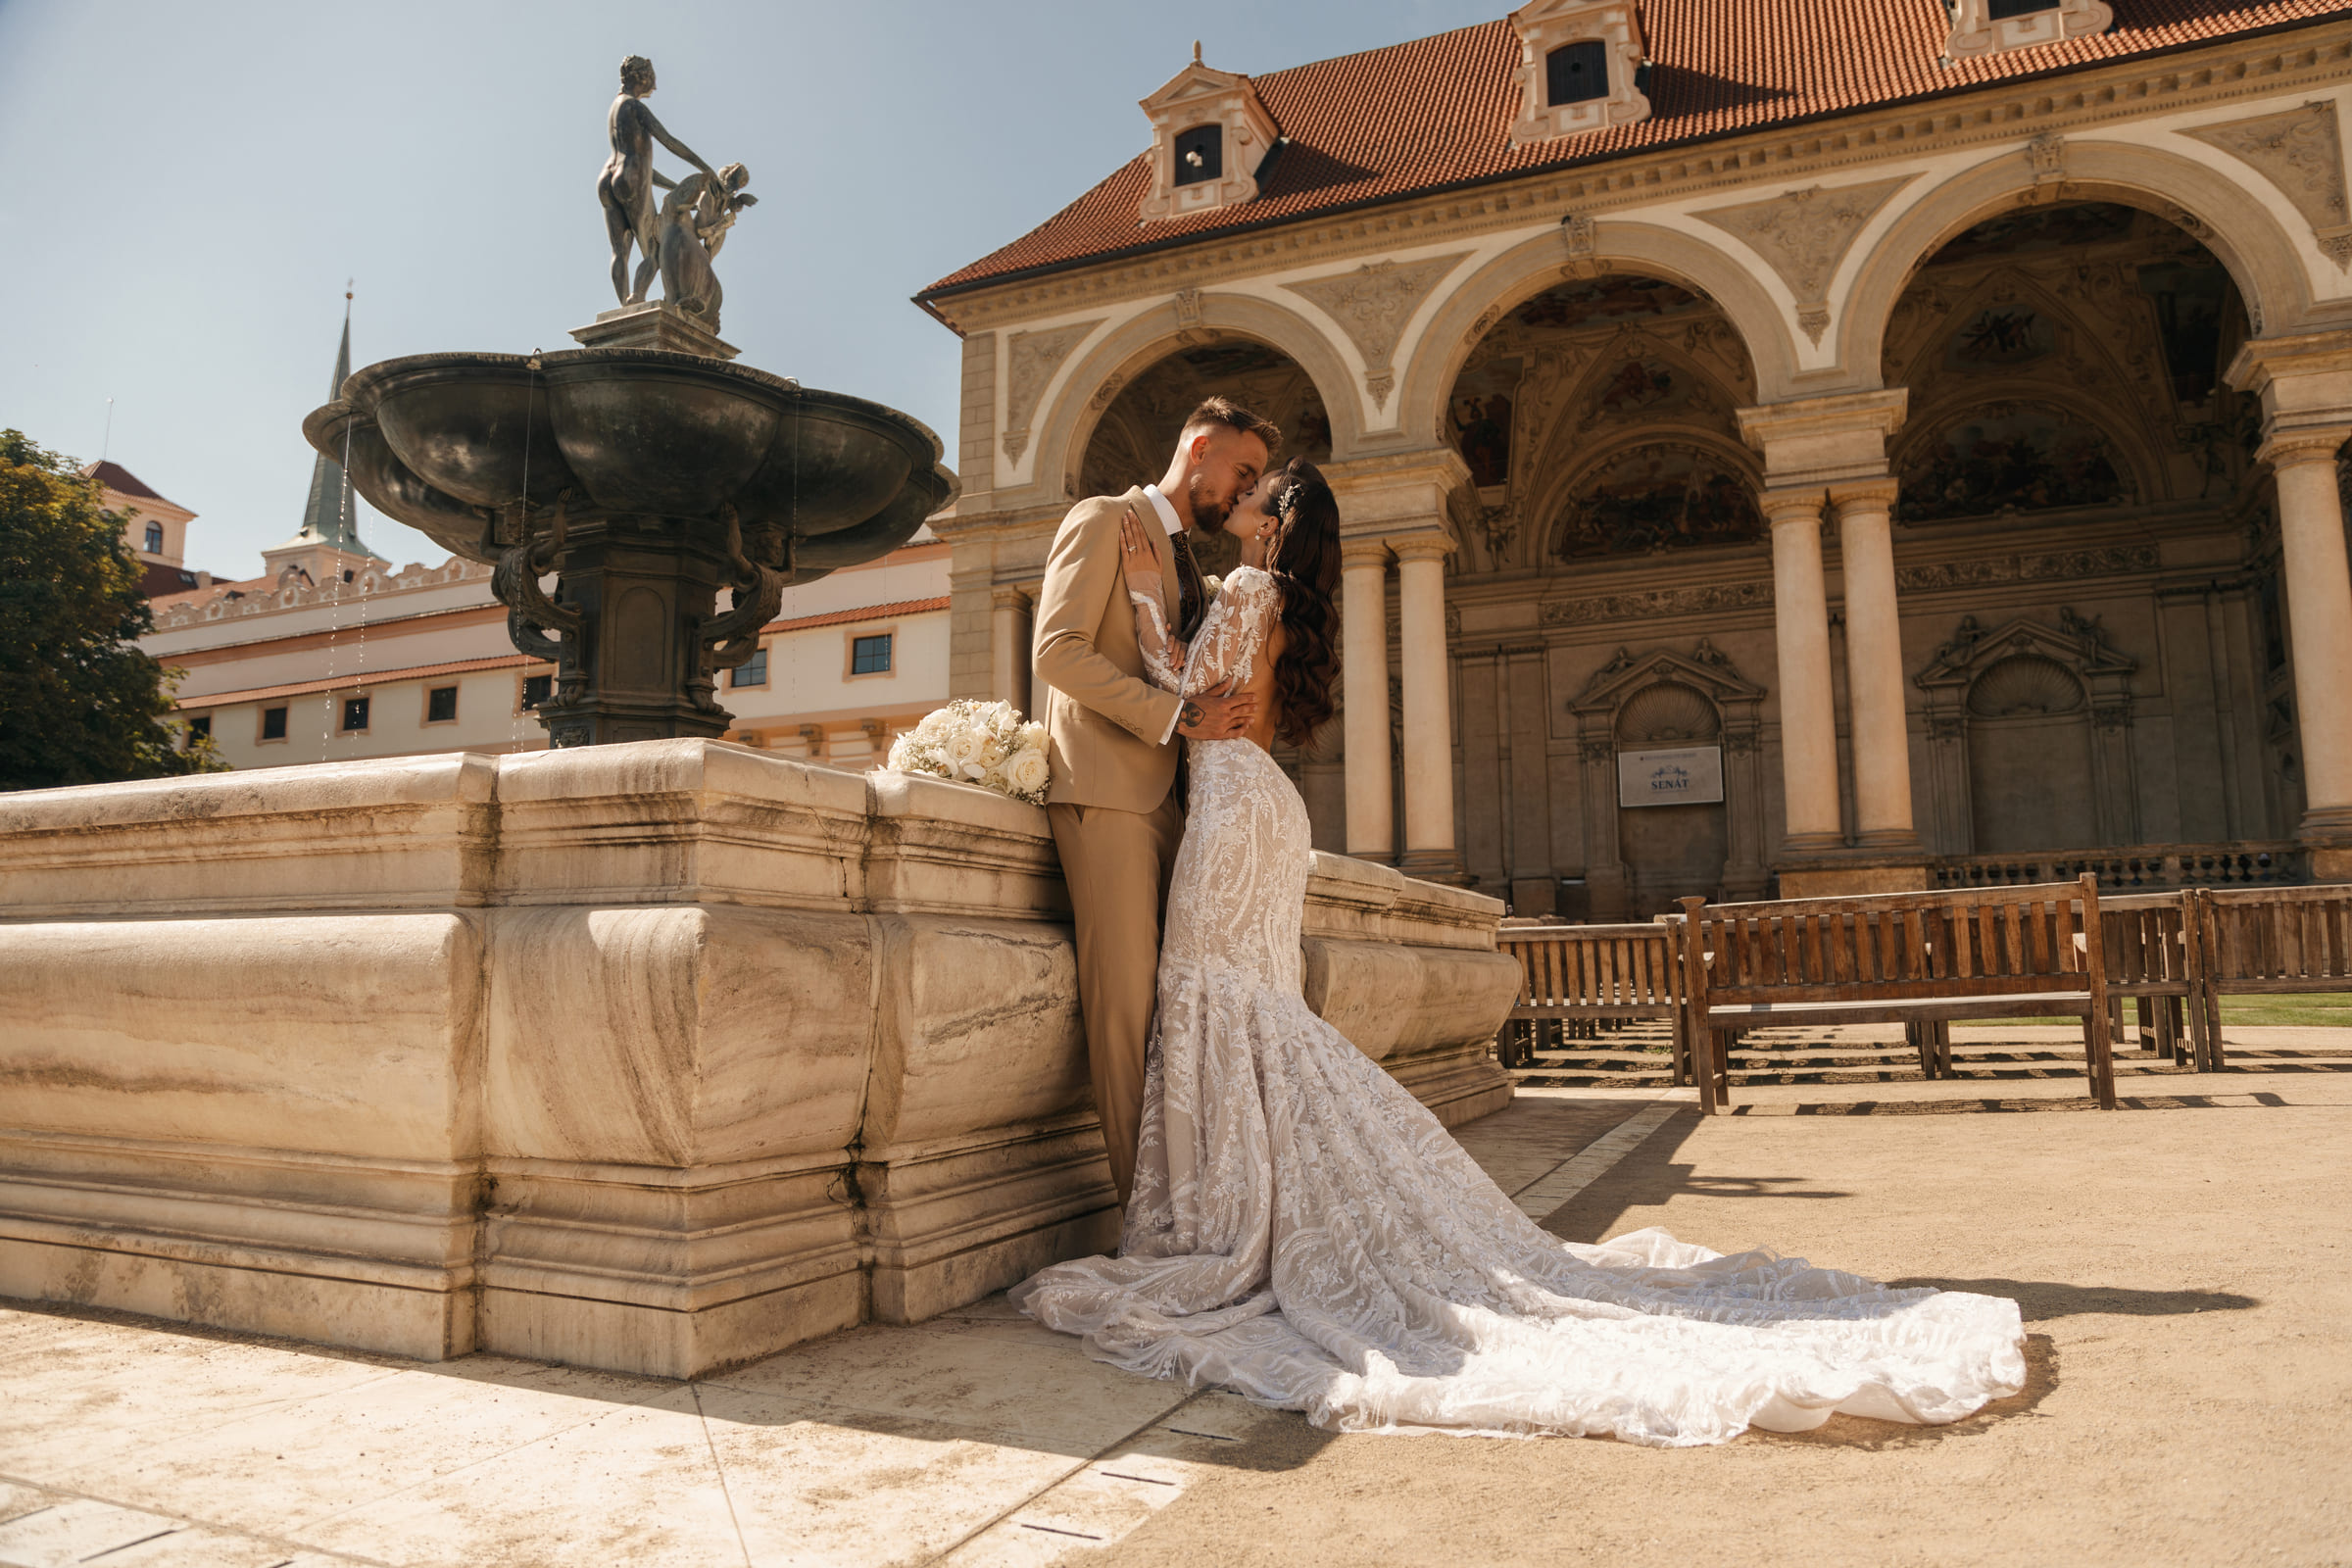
{"x":652,"y":1058}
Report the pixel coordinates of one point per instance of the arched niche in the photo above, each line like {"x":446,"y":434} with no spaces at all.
{"x":1137,"y":429}
{"x":2030,"y":739}
{"x":1586,"y":249}
{"x":2264,"y":260}
{"x":1638,"y":859}
{"x":2017,"y":450}
{"x":1067,"y":425}
{"x":1652,"y":493}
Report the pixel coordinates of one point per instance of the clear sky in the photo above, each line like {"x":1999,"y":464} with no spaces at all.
{"x":189,"y":184}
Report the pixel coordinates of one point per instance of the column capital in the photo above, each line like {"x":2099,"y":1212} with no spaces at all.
{"x":1822,"y":440}
{"x":1864,"y":495}
{"x":1794,"y":505}
{"x":2296,"y":445}
{"x":1361,"y":553}
{"x":1009,"y":596}
{"x":1421,"y":547}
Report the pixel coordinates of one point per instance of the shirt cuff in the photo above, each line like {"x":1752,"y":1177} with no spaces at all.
{"x":1169,"y":733}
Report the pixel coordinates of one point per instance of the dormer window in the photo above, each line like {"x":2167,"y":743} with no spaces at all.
{"x":1201,"y":155}
{"x":1996,"y":26}
{"x":1209,"y":138}
{"x":1575,"y":72}
{"x":1579,"y":68}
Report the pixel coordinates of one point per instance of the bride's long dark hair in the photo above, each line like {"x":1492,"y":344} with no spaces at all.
{"x":1305,"y":562}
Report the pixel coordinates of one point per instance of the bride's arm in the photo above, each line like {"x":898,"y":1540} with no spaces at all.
{"x":1163,"y":655}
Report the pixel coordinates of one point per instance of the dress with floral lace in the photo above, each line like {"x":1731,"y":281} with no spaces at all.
{"x":1304,"y":1233}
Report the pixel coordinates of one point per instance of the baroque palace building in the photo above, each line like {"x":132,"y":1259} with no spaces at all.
{"x":1870,"y":444}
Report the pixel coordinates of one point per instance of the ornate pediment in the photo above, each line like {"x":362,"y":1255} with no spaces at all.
{"x":2074,"y":644}
{"x":1209,"y":138}
{"x":1705,"y":667}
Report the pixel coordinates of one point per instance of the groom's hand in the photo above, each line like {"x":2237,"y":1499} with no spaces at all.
{"x":1217,"y":718}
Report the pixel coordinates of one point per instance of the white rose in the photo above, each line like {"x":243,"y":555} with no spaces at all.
{"x":1032,"y":734}
{"x":959,"y":748}
{"x":901,"y":753}
{"x":1027,"y":771}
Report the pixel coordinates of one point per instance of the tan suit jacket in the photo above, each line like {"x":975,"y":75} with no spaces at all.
{"x":1104,"y":720}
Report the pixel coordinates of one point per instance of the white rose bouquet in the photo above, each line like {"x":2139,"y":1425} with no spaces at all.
{"x":977,"y":742}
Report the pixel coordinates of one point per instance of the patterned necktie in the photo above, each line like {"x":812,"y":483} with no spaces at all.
{"x":1190,"y":590}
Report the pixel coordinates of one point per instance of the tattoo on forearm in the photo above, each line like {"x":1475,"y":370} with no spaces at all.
{"x":1191,"y":713}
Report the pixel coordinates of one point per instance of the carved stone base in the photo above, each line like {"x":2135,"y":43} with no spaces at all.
{"x":655,"y":325}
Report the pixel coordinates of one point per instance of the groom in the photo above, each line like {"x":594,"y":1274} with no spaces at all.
{"x":1111,"y":738}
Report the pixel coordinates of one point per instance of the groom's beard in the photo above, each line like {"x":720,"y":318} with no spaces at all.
{"x":1208,"y":515}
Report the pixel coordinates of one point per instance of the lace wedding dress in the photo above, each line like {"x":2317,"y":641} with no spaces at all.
{"x":1304,"y":1233}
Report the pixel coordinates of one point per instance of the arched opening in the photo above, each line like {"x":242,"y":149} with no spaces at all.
{"x":2064,"y":365}
{"x":1132,"y":441}
{"x":1596,"y":419}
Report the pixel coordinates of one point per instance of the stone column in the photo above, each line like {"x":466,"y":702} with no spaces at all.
{"x":1873,"y":668}
{"x":2319,"y":608}
{"x":1800,"y":624}
{"x":1364,"y":696}
{"x":1428,"y":759}
{"x":1008,"y":649}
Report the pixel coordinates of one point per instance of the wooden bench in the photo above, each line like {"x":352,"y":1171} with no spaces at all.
{"x":1919,"y":959}
{"x":1593,"y":974}
{"x":2155,"y":957}
{"x":2271,"y":941}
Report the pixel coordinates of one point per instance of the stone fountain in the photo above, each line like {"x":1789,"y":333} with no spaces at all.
{"x":644,"y":472}
{"x":653,"y":1057}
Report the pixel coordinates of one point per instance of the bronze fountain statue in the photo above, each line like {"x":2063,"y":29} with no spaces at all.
{"x":643,"y":479}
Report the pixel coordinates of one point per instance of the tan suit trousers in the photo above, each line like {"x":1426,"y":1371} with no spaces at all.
{"x":1117,"y":865}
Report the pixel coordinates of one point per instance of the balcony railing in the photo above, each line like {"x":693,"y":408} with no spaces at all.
{"x":2148,"y":867}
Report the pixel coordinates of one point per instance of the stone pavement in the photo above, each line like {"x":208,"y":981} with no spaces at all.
{"x":2181,"y":1267}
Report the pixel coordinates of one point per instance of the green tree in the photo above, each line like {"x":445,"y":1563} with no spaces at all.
{"x":80,"y":703}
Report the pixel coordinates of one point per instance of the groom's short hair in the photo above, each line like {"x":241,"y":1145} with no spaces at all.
{"x":1231,"y":414}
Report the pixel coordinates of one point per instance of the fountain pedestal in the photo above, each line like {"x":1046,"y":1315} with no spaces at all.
{"x":655,"y":325}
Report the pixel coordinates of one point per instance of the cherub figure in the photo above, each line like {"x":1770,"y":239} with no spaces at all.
{"x":695,"y":218}
{"x":626,"y":187}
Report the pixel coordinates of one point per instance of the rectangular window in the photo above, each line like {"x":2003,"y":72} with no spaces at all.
{"x":535,"y":690}
{"x":753,"y":671}
{"x":1576,"y":73}
{"x":870,"y":655}
{"x":441,"y":705}
{"x":2002,"y":9}
{"x":1200,"y":155}
{"x":354,"y":714}
{"x":274,"y":723}
{"x":202,"y":725}
{"x":155,"y":538}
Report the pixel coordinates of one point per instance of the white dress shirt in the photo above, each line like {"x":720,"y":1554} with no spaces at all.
{"x":1175,"y":525}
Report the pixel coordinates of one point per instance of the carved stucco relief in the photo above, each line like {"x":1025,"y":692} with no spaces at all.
{"x":1658,"y":602}
{"x":1803,"y":234}
{"x":1032,"y":360}
{"x":1372,"y":303}
{"x":2301,"y":152}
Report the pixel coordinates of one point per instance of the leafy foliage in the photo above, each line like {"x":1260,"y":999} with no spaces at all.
{"x":80,"y":703}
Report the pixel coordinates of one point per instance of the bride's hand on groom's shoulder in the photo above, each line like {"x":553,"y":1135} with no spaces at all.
{"x":1137,"y":557}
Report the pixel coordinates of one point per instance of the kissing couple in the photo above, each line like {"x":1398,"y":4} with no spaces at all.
{"x":1298,"y":1228}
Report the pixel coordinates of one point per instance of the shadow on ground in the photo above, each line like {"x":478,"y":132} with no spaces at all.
{"x":2039,"y":1300}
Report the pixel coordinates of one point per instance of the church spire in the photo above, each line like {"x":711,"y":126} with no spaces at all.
{"x":331,"y":517}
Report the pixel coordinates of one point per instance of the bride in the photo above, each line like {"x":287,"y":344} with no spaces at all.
{"x":1304,"y":1233}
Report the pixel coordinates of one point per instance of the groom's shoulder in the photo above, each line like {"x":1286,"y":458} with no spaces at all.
{"x":1096,"y":510}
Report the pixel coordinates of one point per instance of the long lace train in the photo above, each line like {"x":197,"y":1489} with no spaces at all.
{"x":1304,"y":1233}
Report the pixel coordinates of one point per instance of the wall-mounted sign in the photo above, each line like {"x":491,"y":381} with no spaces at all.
{"x":1687,"y":775}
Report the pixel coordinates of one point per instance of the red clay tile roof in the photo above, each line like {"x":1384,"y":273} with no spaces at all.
{"x":1437,"y":111}
{"x":843,"y":618}
{"x":122,"y":481}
